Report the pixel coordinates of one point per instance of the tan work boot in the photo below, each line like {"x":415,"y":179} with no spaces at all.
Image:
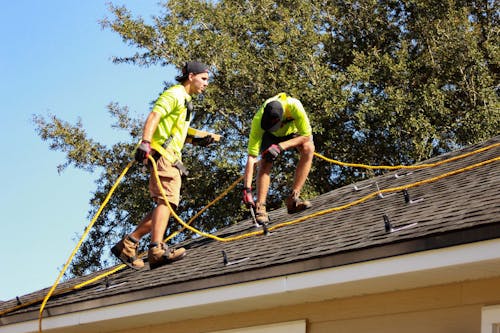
{"x":294,"y":204}
{"x":126,"y":251}
{"x":160,"y":254}
{"x":261,"y":214}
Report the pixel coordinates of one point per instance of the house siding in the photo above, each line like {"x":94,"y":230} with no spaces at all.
{"x":454,"y":308}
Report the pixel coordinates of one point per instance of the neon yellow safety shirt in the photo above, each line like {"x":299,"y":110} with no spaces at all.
{"x":294,"y":120}
{"x":174,"y":122}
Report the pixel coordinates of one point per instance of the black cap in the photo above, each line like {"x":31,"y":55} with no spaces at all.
{"x":191,"y":67}
{"x":271,"y":117}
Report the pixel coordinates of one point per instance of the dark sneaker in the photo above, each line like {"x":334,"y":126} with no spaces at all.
{"x":126,"y":251}
{"x":260,"y":213}
{"x":294,"y":204}
{"x":160,"y":255}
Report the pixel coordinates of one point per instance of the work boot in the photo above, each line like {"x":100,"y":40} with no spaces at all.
{"x":160,"y":254}
{"x":260,"y":213}
{"x":126,"y":251}
{"x":294,"y":204}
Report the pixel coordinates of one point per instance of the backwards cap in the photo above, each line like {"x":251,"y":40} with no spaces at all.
{"x":271,"y":117}
{"x":191,"y":67}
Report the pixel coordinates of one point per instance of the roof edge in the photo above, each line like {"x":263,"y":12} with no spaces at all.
{"x":481,"y":242}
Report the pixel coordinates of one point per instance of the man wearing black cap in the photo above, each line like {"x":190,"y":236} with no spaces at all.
{"x":164,"y":134}
{"x":280,"y":123}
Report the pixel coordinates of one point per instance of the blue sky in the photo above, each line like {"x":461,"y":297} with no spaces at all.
{"x":56,"y":59}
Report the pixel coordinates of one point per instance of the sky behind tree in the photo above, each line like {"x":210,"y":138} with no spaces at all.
{"x":56,"y":59}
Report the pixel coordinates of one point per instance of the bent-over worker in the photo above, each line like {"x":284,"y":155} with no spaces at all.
{"x":281,"y":123}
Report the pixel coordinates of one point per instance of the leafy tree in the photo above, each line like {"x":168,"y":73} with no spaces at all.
{"x":384,"y":82}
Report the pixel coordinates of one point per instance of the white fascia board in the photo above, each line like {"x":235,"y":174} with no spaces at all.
{"x":465,"y":262}
{"x":442,"y":259}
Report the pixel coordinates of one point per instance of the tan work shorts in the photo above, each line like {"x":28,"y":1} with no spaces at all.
{"x":170,"y":178}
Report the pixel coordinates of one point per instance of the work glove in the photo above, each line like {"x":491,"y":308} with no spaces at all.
{"x":248,"y":197}
{"x":204,"y":141}
{"x":142,"y":152}
{"x":271,"y":153}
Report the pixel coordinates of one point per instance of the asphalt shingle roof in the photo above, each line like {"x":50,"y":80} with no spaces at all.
{"x":457,"y":209}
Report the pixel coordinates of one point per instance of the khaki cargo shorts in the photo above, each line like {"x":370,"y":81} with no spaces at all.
{"x":170,"y":178}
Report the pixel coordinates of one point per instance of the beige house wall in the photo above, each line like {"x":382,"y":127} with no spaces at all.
{"x":454,"y":308}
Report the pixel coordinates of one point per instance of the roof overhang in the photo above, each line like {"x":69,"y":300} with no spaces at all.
{"x":478,"y":260}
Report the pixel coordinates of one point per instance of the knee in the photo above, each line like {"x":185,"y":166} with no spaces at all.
{"x":264,"y":167}
{"x":307,"y":149}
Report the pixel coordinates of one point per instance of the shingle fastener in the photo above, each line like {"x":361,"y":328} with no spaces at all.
{"x":397,"y":176}
{"x":408,"y":200}
{"x":389,"y":228}
{"x":362,"y":187}
{"x":227,"y":262}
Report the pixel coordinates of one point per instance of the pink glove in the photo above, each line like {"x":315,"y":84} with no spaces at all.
{"x":248,"y":197}
{"x":271,"y":153}
{"x":143,"y":151}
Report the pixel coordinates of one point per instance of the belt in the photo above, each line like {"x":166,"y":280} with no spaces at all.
{"x":177,"y":164}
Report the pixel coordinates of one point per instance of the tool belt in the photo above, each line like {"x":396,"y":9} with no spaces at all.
{"x":177,"y":164}
{"x":184,"y":171}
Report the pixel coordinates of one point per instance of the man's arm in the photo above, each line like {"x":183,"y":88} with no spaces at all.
{"x":194,"y":134}
{"x":247,"y":181}
{"x":150,"y":126}
{"x":144,"y":148}
{"x":295,"y":142}
{"x":249,"y":170}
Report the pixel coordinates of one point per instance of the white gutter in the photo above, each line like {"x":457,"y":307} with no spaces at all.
{"x":453,"y":264}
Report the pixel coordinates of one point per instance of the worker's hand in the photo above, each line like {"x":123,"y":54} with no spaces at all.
{"x":204,"y":141}
{"x":248,"y":197}
{"x":271,"y":153}
{"x":142,"y":152}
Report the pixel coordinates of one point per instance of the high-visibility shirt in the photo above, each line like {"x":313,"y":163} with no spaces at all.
{"x":294,"y":120}
{"x":174,"y":122}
